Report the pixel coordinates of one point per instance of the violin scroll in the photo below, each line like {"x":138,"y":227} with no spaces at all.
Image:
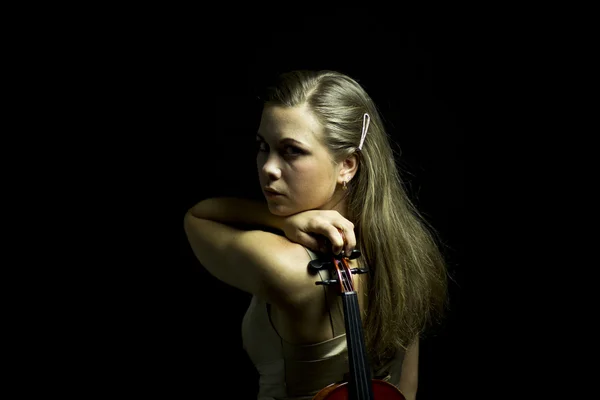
{"x":327,"y":263}
{"x":321,"y":263}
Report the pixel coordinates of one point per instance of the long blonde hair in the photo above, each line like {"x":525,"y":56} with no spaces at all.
{"x":407,"y":288}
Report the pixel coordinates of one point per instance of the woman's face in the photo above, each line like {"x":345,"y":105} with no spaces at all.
{"x":292,"y":161}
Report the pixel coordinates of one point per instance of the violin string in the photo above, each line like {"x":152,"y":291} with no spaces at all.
{"x":353,"y":333}
{"x":355,"y":324}
{"x":353,"y":337}
{"x":360,"y":375}
{"x":350,"y":334}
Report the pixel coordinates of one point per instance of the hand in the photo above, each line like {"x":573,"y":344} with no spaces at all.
{"x":320,"y":229}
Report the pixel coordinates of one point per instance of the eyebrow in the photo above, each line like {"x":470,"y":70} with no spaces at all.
{"x":284,"y":140}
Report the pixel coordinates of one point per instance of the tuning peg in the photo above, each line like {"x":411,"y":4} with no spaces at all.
{"x":354,"y":254}
{"x":327,"y":282}
{"x":359,"y":270}
{"x":320,"y":264}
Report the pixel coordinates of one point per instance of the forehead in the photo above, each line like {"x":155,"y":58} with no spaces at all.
{"x":278,"y":122}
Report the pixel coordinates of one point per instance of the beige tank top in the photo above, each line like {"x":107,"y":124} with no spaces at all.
{"x":297,"y":372}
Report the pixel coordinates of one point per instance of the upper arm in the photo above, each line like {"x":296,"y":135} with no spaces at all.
{"x":409,"y":377}
{"x":255,"y":261}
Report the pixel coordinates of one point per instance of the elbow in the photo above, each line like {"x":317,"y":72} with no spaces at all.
{"x":409,"y":388}
{"x":410,"y":395}
{"x":202,"y":209}
{"x":187,"y":219}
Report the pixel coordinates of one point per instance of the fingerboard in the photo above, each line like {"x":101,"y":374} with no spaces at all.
{"x":360,"y":373}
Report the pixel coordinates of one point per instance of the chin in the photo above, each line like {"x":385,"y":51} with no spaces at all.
{"x":280,"y":211}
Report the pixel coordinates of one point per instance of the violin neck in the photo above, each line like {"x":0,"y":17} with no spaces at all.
{"x":360,"y":372}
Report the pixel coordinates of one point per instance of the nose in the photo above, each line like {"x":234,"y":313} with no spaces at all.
{"x":270,"y":168}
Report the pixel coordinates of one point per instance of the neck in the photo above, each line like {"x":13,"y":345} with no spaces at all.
{"x":338,"y":203}
{"x":360,"y":372}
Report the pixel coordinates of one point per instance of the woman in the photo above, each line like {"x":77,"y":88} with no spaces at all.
{"x":329,"y":177}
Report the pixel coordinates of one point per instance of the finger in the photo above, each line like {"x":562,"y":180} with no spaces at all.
{"x":343,"y":235}
{"x":311,"y":242}
{"x":350,"y":240}
{"x":337,"y":239}
{"x":329,"y":232}
{"x":332,"y":240}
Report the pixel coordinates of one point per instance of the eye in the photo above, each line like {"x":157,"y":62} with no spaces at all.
{"x":287,"y":151}
{"x":259,"y":144}
{"x":295,"y":150}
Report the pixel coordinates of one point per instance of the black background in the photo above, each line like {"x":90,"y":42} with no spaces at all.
{"x":192,"y":107}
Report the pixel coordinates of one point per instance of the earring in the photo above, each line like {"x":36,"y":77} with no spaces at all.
{"x":344,"y":186}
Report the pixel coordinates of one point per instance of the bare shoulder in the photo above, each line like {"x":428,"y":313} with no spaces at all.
{"x":281,"y":266}
{"x":262,"y":263}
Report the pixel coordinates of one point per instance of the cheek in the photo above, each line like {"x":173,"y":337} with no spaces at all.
{"x":305,"y":177}
{"x":316,"y":184}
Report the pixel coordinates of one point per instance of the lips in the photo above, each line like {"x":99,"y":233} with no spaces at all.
{"x":269,"y":190}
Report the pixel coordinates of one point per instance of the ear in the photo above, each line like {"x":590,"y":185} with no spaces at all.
{"x":348,"y":168}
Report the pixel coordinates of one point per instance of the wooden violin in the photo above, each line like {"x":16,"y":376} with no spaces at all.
{"x":359,"y":385}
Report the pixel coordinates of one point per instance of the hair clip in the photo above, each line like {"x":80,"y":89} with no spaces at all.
{"x":365,"y":128}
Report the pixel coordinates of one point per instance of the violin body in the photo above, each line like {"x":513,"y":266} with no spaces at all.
{"x":382,"y":390}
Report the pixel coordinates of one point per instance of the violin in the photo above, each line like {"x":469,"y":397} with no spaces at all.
{"x":359,"y":384}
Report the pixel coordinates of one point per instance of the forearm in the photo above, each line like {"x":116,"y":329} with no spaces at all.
{"x":237,"y":211}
